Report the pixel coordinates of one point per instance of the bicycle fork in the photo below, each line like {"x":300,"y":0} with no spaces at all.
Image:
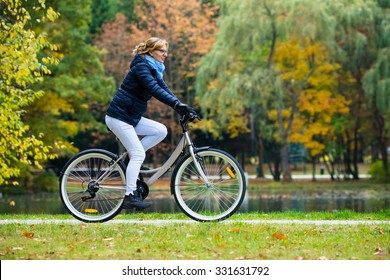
{"x":196,"y":162}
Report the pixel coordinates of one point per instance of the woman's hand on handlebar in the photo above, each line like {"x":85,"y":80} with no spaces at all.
{"x":181,"y":108}
{"x":189,"y":116}
{"x":186,"y":112}
{"x":192,"y":116}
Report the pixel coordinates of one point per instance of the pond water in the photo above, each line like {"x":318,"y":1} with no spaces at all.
{"x":363,"y":199}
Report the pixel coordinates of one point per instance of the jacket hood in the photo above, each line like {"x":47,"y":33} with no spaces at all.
{"x":137,"y":59}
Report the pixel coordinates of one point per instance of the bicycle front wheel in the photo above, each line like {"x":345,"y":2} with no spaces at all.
{"x":93,"y":186}
{"x":219,"y":197}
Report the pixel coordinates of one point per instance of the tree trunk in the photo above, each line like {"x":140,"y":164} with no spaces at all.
{"x":385,"y":158}
{"x":355,"y":171}
{"x":313,"y":164}
{"x":275,"y":172}
{"x":379,"y":124}
{"x":260,"y":151}
{"x":286,"y":172}
{"x":329,"y":165}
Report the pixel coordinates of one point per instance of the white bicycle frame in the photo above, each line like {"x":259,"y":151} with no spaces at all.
{"x":160,"y":171}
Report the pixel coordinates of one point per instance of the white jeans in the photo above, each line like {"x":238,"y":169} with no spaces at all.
{"x":153,"y":132}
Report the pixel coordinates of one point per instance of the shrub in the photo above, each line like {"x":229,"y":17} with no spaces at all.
{"x":377,"y":172}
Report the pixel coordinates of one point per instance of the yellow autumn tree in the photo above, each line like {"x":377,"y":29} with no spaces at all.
{"x":20,"y":68}
{"x":318,"y":102}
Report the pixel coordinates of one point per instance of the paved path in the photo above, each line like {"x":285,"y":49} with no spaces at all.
{"x":164,"y":222}
{"x":310,"y":176}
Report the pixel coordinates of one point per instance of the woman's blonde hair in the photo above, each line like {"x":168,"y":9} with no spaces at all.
{"x":153,"y":43}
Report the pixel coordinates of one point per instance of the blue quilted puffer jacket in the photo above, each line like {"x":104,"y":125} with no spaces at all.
{"x":139,"y":85}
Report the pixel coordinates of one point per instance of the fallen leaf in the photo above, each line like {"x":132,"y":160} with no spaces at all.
{"x":262,"y":256}
{"x":379,"y":252}
{"x":279,"y":236}
{"x":235,"y":230}
{"x":28,"y":234}
{"x":299,"y":258}
{"x":323,"y":258}
{"x":216,"y":235}
{"x":17,"y":248}
{"x":108,"y":238}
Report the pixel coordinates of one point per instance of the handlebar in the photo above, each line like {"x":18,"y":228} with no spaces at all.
{"x":189,"y":117}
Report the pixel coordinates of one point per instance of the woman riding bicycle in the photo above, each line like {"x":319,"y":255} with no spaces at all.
{"x":124,"y":116}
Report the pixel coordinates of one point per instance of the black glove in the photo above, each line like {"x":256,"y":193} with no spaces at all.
{"x":183,"y":109}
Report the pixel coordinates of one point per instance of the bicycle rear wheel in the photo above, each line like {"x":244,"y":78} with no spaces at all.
{"x":93,"y":186}
{"x":217,"y":200}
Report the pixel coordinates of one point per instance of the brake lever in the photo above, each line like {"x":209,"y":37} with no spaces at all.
{"x":189,"y":117}
{"x":192,"y":117}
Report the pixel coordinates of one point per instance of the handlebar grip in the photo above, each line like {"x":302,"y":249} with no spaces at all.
{"x":190,"y":117}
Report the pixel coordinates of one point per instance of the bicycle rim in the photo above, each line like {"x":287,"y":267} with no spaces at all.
{"x":87,"y":170}
{"x":216,"y":201}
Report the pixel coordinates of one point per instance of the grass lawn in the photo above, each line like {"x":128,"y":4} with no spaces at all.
{"x":234,"y":240}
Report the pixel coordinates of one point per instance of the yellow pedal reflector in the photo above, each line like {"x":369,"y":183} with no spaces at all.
{"x":230,"y":172}
{"x":91,"y":211}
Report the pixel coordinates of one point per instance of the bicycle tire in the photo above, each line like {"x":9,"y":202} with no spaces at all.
{"x":80,"y":178}
{"x":214,"y":202}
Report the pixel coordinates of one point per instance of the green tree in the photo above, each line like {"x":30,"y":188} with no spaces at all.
{"x":376,"y":81}
{"x":20,"y":68}
{"x":360,"y":43}
{"x":77,"y":91}
{"x":233,"y":87}
{"x":104,"y":11}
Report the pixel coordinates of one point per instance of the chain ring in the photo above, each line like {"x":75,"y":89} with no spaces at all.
{"x":142,"y":188}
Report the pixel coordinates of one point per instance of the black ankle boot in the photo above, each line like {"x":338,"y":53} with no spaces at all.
{"x":135,"y":201}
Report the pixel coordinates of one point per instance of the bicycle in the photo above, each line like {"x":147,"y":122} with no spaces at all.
{"x":208,"y":184}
